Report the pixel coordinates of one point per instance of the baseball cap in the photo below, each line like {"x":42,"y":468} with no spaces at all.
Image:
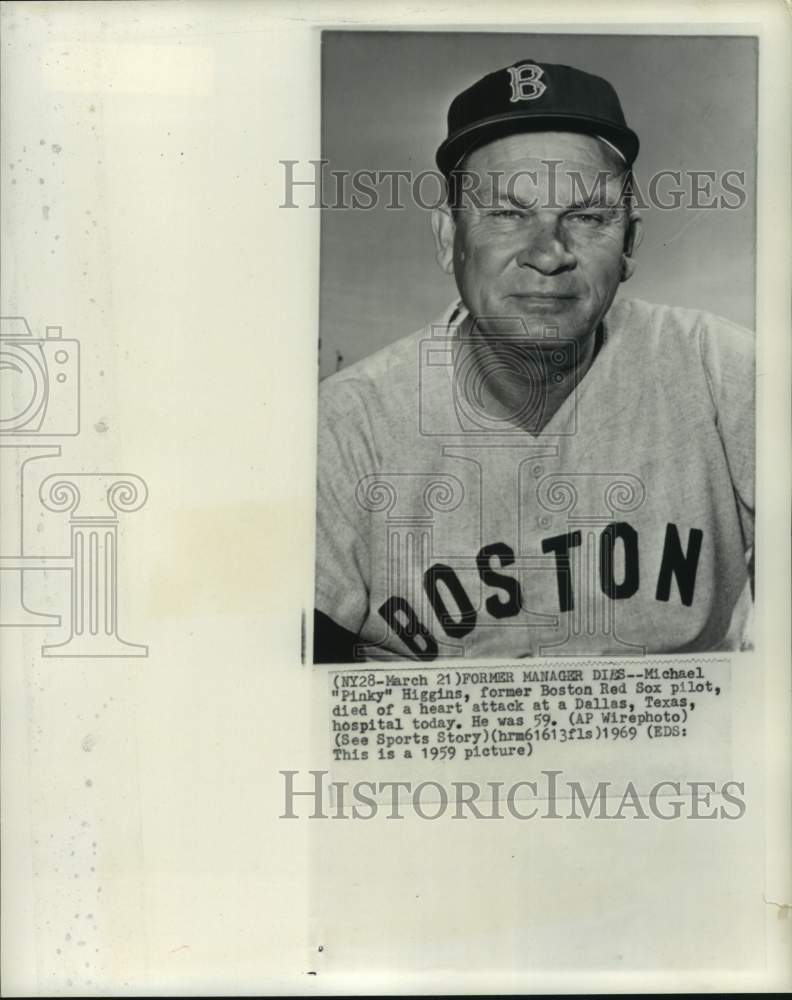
{"x":531,"y":97}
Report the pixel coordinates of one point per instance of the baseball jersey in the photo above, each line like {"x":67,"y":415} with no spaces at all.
{"x":625,"y":526}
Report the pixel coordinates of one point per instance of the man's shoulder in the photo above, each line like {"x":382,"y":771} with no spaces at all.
{"x":668,"y":329}
{"x":395,"y":360}
{"x":390,"y":374}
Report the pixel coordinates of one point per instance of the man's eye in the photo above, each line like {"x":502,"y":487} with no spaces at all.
{"x":587,"y":218}
{"x":506,"y":213}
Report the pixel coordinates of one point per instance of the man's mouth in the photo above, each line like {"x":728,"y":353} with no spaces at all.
{"x":543,"y":296}
{"x":543,"y":301}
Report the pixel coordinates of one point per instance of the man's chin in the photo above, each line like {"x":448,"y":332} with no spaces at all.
{"x":528,"y":325}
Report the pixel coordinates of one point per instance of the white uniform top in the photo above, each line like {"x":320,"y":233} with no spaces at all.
{"x":624,"y":526}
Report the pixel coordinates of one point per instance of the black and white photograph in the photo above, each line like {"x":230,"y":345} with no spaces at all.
{"x":536,"y":429}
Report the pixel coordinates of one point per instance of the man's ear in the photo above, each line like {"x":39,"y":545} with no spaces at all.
{"x":443,"y":227}
{"x":632,"y":240}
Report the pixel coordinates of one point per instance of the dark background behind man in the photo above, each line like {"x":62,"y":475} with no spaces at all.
{"x":379,"y":279}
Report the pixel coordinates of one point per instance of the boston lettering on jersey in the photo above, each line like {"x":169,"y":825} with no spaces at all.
{"x":442,"y":585}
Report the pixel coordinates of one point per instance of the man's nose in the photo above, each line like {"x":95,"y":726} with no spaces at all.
{"x":545,"y":250}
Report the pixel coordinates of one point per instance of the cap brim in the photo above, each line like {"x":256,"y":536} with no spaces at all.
{"x":464,"y":141}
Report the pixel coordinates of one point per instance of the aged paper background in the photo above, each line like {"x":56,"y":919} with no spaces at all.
{"x":142,"y":850}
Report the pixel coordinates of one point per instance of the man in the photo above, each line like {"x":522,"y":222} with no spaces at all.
{"x":544,"y":471}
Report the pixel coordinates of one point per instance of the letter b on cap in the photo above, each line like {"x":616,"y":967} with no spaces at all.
{"x":526,"y":82}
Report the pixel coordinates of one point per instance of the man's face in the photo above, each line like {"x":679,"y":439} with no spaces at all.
{"x":542,"y":241}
